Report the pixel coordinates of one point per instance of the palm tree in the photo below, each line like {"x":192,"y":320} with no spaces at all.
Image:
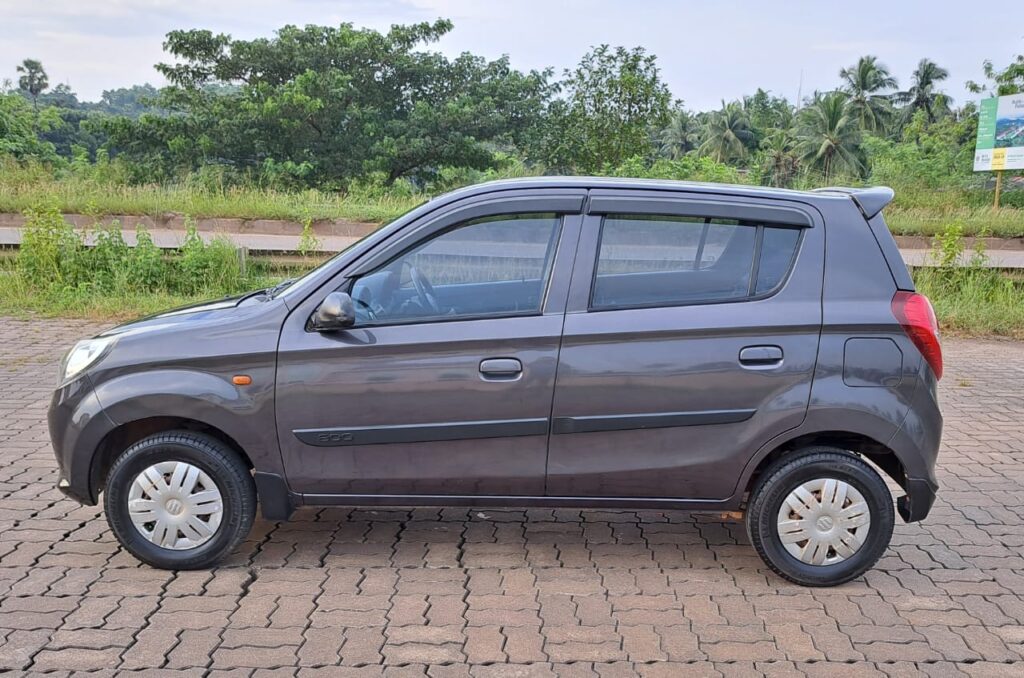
{"x":780,"y":157}
{"x":922,"y":95}
{"x":726,"y":133}
{"x":681,"y":136}
{"x":828,"y":136}
{"x":34,"y":82}
{"x":864,"y":84}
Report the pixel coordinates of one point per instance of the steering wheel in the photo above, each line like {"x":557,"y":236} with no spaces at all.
{"x":371,"y":314}
{"x":424,"y":290}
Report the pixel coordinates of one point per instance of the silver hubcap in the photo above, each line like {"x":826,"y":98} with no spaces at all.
{"x":824,"y":521}
{"x":175,"y":505}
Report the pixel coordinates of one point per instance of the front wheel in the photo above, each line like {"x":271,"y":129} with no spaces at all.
{"x":822,"y":518}
{"x":179,"y":500}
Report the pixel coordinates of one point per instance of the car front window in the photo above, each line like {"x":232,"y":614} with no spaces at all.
{"x":299,"y":286}
{"x":498,"y":265}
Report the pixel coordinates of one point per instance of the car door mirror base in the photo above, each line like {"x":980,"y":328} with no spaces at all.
{"x":335,"y":312}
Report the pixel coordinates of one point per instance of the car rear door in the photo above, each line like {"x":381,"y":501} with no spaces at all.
{"x":444,"y":385}
{"x":690,"y":339}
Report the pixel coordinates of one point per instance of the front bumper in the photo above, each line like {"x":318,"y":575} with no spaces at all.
{"x":64,"y":485}
{"x":77,"y":426}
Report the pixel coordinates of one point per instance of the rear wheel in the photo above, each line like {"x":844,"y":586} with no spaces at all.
{"x":821,"y":518}
{"x":179,"y":500}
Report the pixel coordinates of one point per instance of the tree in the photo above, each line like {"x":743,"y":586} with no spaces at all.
{"x":34,"y":81}
{"x":75,"y":130}
{"x":1010,"y":80}
{"x":780,"y":161}
{"x":130,"y":101}
{"x":612,"y":101}
{"x":922,"y":94}
{"x":828,"y":136}
{"x":322,"y":105}
{"x":865,"y":84}
{"x":681,"y":136}
{"x":61,"y":96}
{"x":727,"y":133}
{"x":19,"y":125}
{"x":765,"y":113}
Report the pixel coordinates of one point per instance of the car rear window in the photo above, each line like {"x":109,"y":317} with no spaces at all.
{"x":777,"y":249}
{"x":647,"y":260}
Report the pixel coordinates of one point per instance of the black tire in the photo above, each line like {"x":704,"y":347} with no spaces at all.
{"x":219,"y":462}
{"x":784,"y":476}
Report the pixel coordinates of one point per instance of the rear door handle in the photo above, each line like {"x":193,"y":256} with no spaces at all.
{"x":760,"y":356}
{"x":500,"y":368}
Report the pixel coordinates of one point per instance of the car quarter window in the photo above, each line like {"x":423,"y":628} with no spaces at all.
{"x":653,"y":260}
{"x":498,"y":265}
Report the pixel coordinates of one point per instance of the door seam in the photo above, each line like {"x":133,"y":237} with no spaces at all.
{"x":561,"y":339}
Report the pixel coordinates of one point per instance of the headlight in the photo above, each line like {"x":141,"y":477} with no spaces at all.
{"x":84,"y":354}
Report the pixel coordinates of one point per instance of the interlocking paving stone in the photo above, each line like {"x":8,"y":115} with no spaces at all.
{"x":496,"y":593}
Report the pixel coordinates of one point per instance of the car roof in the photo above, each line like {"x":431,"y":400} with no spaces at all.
{"x":876,"y":198}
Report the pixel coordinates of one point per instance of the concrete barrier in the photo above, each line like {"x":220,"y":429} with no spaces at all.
{"x":270,"y":236}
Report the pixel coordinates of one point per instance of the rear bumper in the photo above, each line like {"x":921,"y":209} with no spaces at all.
{"x":918,"y":500}
{"x":917,"y":443}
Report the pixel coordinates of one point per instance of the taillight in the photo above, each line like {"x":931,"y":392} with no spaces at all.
{"x":915,"y":314}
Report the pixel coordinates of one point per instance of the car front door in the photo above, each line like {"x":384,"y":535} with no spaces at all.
{"x":444,"y":384}
{"x":690,"y":339}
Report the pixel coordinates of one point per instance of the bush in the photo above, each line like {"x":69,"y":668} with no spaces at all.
{"x":148,"y":269}
{"x":110,"y":259}
{"x":309,"y":244}
{"x":970,"y":298}
{"x":202,"y":266}
{"x":54,"y":259}
{"x":51,"y":252}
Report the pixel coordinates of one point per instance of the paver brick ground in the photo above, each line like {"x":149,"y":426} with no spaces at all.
{"x":499,"y":593}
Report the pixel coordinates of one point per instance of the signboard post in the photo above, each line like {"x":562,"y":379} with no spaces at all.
{"x":1000,"y":144}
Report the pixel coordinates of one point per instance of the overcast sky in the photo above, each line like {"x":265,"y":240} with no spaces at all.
{"x":708,"y":50}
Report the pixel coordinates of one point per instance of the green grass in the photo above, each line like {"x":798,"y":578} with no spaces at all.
{"x":85,"y":196}
{"x":975,"y":301}
{"x":53,"y":273}
{"x":980,"y":303}
{"x":22,"y":301}
{"x":56,"y":277}
{"x":914,"y":212}
{"x":1006,"y":222}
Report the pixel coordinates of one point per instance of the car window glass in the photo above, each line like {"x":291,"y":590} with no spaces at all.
{"x":777,"y":249}
{"x":647,"y":260}
{"x":492,"y":266}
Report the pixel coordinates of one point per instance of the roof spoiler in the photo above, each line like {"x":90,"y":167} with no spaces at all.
{"x":871,"y":201}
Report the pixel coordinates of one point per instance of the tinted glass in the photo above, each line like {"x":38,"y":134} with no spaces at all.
{"x":652,"y":261}
{"x":777,"y":249}
{"x":493,"y":266}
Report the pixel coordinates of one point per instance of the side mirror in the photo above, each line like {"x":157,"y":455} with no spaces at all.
{"x":335,"y":312}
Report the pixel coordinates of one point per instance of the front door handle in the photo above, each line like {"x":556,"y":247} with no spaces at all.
{"x":760,"y":356}
{"x":500,"y":368}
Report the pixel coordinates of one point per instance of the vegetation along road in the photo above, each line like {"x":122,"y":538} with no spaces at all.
{"x":260,"y":130}
{"x":277,"y":244}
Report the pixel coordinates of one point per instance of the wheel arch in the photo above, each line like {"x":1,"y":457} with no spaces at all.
{"x":143,"y":403}
{"x":860,"y":444}
{"x":123,"y":436}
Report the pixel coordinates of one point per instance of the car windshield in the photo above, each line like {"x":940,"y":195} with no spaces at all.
{"x":291,"y":286}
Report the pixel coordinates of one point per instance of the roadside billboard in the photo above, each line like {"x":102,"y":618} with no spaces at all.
{"x":1000,"y":143}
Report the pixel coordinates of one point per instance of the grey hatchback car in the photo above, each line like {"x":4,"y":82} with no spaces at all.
{"x":571,"y":342}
